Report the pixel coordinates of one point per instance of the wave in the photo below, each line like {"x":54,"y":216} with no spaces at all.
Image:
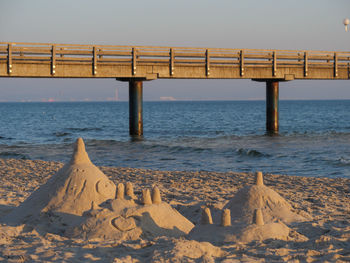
{"x":342,"y":162}
{"x":84,"y":129}
{"x":5,"y":138}
{"x":13,"y":155}
{"x":175,"y":149}
{"x":148,"y":145}
{"x":167,"y":159}
{"x":94,"y":142}
{"x":251,"y":153}
{"x":61,"y":134}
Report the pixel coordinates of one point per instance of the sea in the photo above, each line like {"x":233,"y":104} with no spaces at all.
{"x":314,"y":137}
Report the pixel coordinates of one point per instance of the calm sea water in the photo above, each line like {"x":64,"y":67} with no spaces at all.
{"x":314,"y":136}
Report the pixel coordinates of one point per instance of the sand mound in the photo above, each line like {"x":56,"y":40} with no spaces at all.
{"x":258,"y":213}
{"x":70,"y":192}
{"x":273,"y":206}
{"x":123,"y":219}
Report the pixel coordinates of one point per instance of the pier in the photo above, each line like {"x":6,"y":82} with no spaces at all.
{"x":136,"y":64}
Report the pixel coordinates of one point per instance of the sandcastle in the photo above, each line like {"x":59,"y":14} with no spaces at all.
{"x":259,"y":196}
{"x":80,"y":201}
{"x":256,"y":212}
{"x":68,"y":193}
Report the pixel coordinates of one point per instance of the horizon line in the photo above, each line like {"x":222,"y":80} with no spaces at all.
{"x":159,"y":100}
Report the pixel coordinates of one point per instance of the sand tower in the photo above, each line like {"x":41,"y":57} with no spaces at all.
{"x":71,"y":191}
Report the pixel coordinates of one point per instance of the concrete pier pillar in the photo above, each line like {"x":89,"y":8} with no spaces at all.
{"x":135,"y":107}
{"x":272,"y":91}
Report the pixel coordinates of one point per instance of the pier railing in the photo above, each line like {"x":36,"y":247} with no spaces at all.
{"x":203,"y":61}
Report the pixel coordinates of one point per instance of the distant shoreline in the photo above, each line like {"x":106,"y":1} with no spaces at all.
{"x":171,"y":101}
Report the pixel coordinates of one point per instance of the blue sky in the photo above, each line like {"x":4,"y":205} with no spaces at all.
{"x":273,"y":24}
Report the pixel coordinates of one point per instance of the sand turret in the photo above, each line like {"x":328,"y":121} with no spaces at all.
{"x":120,"y":191}
{"x":206,"y":217}
{"x":259,"y":180}
{"x":80,"y":155}
{"x":146,"y":197}
{"x":129,"y":190}
{"x":226,"y":217}
{"x":156,"y":199}
{"x":258,"y":217}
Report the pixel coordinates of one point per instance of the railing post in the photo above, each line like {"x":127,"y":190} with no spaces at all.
{"x":172,"y":55}
{"x":335,"y":64}
{"x":94,"y":61}
{"x":207,"y":63}
{"x":306,"y":67}
{"x":53,"y":59}
{"x":9,"y":58}
{"x":241,"y":62}
{"x":135,"y":107}
{"x":272,"y":94}
{"x":133,"y":61}
{"x":274,"y":63}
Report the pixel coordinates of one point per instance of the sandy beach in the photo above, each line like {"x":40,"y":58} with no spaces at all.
{"x":324,"y":235}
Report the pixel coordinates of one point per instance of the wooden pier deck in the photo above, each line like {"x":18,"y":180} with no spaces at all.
{"x":136,"y":64}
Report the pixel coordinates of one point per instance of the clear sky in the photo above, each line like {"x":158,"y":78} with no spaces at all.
{"x":268,"y":24}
